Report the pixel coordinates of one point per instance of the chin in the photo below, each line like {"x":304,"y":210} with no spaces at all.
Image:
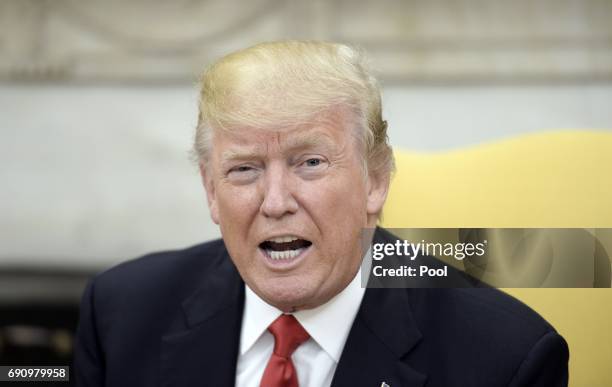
{"x":289,"y":294}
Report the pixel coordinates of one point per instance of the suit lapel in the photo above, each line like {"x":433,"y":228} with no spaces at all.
{"x":383,"y":332}
{"x":202,"y":349}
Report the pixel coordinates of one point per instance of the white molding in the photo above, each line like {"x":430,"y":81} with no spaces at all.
{"x":408,"y":40}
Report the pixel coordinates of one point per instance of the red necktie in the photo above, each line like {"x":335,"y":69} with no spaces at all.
{"x":288,"y":335}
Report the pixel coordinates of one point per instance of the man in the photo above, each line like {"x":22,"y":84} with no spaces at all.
{"x":295,"y":162}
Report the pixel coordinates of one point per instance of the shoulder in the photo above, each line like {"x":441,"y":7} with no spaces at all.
{"x":479,"y":312}
{"x":481,"y":334}
{"x":126,"y":309}
{"x":158,"y":265}
{"x":494,"y":335}
{"x":156,"y":279}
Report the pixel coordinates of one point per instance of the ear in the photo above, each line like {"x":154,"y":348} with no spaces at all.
{"x":377,"y":189}
{"x":211,"y":197}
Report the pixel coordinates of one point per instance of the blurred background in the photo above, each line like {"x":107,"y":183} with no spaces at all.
{"x":98,"y":102}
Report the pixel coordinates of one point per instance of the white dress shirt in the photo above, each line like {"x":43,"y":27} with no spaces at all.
{"x":316,"y":359}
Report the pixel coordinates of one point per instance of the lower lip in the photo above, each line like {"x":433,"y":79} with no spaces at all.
{"x":284,"y":264}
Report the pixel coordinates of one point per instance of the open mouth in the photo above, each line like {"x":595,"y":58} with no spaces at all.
{"x":284,"y":247}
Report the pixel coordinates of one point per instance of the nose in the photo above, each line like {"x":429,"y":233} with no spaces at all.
{"x":278,"y":199}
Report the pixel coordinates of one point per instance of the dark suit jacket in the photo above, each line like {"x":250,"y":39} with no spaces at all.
{"x":173,"y":319}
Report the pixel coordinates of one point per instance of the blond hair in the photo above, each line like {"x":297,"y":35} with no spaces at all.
{"x":289,"y":83}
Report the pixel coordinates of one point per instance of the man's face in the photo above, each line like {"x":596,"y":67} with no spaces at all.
{"x":291,"y":205}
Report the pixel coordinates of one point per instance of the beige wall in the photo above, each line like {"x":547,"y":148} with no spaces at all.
{"x":96,"y":175}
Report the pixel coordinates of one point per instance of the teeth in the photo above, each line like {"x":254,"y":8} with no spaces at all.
{"x":284,"y":254}
{"x":284,"y":239}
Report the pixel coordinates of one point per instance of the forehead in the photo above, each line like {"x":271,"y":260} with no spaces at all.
{"x":327,"y":130}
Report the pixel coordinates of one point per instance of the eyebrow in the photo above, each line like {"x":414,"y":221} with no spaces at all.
{"x":239,"y":154}
{"x":311,"y":140}
{"x":315,"y":139}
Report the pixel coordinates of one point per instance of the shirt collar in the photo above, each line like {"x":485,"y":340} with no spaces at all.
{"x":339,"y":313}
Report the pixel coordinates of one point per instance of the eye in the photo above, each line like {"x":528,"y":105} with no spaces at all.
{"x":313,"y":166}
{"x":241,"y":168}
{"x":313,"y":162}
{"x":242,"y":174}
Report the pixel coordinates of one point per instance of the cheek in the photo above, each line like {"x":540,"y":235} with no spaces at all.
{"x":345,"y":198}
{"x":236,"y":202}
{"x":237,"y":208}
{"x":338,"y":209}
